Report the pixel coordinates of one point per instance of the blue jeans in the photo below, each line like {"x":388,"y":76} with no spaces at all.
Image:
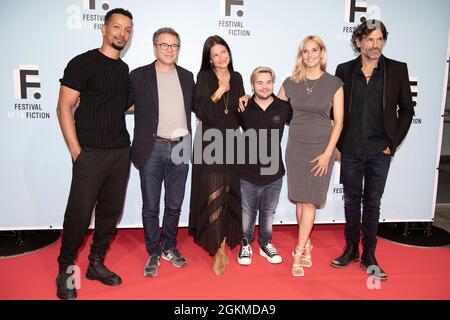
{"x":373,"y":170}
{"x":158,"y":168}
{"x":262,"y":198}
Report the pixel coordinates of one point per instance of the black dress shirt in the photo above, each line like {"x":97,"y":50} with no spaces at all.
{"x":366,"y":134}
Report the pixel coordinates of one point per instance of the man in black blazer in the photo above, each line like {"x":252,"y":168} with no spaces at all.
{"x":162,"y":95}
{"x":377,"y":115}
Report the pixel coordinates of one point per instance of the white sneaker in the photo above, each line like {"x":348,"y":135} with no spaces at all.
{"x":245,"y":253}
{"x":270,"y":253}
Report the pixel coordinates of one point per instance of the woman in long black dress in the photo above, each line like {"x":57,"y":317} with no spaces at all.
{"x":215,"y":208}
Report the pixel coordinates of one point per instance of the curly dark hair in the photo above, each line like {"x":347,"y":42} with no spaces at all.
{"x":366,"y":28}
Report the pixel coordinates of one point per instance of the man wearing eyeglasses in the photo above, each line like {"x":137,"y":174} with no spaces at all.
{"x":162,"y":95}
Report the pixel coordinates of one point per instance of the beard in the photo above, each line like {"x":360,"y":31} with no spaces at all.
{"x":370,"y":53}
{"x":115,"y":43}
{"x":117,"y":47}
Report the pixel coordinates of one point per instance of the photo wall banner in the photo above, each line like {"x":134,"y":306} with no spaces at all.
{"x":42,"y":36}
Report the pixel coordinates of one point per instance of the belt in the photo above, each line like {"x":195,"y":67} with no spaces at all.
{"x":169,"y":140}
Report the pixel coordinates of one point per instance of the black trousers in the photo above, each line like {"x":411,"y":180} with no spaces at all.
{"x":99,"y":179}
{"x":364,"y":179}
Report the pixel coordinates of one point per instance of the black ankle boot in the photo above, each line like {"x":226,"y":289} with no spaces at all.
{"x":350,"y":254}
{"x":98,"y":271}
{"x":370,"y":265}
{"x":65,"y":287}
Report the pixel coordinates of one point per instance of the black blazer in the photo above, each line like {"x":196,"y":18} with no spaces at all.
{"x":398,"y":107}
{"x":144,"y":97}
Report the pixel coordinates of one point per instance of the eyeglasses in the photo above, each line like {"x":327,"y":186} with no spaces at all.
{"x":165,"y":46}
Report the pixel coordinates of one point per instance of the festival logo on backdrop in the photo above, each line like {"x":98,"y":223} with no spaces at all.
{"x":25,"y":77}
{"x":27,"y":89}
{"x":355,"y":12}
{"x":231,"y":22}
{"x":355,"y":9}
{"x":227,"y":5}
{"x":413,"y":83}
{"x":86,"y":14}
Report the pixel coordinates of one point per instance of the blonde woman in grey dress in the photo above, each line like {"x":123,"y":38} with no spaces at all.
{"x":310,"y":151}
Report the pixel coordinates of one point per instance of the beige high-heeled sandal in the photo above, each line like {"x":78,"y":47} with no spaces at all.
{"x":297,"y":268}
{"x":307,"y":260}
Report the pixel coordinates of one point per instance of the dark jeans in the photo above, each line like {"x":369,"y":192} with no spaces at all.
{"x":364,"y":179}
{"x":262,"y":198}
{"x":99,"y":178}
{"x":158,"y":168}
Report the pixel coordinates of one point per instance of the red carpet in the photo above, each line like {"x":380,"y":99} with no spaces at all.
{"x":414,"y":273}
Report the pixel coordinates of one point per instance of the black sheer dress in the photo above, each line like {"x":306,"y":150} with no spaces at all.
{"x":215,"y":208}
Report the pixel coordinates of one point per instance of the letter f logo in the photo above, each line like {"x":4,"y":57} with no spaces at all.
{"x":26,"y":76}
{"x":353,"y":6}
{"x":225,"y":7}
{"x":90,"y":4}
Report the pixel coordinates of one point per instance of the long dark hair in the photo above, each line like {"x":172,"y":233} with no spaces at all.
{"x":206,"y":56}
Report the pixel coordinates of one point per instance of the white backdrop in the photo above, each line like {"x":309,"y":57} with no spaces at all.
{"x":40,"y":37}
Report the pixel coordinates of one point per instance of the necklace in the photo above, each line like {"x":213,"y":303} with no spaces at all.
{"x":367,"y":71}
{"x":308,"y":89}
{"x":226,"y":99}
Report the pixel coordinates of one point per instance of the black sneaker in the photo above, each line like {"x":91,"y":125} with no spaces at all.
{"x":152,"y":265}
{"x":245,"y":253}
{"x":270,"y":253}
{"x":175,"y":257}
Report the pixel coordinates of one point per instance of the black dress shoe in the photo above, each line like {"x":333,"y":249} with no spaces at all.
{"x":370,"y":265}
{"x":98,"y":271}
{"x":65,"y":289}
{"x":350,"y":254}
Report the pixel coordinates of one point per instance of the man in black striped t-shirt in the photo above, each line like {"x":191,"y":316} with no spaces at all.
{"x":99,"y":144}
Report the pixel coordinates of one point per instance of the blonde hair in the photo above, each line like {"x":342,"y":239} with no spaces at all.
{"x":299,"y":73}
{"x":261,"y":70}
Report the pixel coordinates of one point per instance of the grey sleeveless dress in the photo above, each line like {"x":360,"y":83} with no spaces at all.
{"x":309,"y":134}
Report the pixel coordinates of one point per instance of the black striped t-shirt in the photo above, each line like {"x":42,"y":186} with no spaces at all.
{"x":103,"y":85}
